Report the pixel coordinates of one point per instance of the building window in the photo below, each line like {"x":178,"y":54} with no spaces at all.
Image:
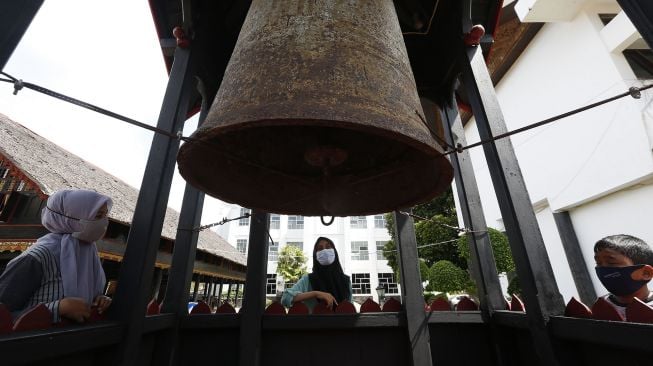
{"x":359,"y":251}
{"x":358,"y":222}
{"x":3,"y":172}
{"x":641,"y":62}
{"x":360,"y":283}
{"x":379,"y":221}
{"x":241,"y":245}
{"x":21,"y":185}
{"x":273,"y":251}
{"x":245,"y":220}
{"x":606,"y":18}
{"x":297,"y":244}
{"x":379,"y":249}
{"x":296,"y":222}
{"x":388,"y":281}
{"x":275,"y":221}
{"x":271,"y":284}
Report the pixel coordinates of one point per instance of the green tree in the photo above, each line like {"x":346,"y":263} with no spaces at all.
{"x":291,"y":264}
{"x":437,"y":240}
{"x":424,"y":270}
{"x":445,"y":276}
{"x":435,"y":237}
{"x":500,"y":249}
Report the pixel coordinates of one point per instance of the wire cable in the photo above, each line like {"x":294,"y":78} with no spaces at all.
{"x":19,"y":84}
{"x":633,"y":91}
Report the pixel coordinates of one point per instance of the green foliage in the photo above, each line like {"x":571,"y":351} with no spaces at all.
{"x":424,"y":270}
{"x":443,"y":205}
{"x":438,"y":230}
{"x":390,"y":253}
{"x":445,"y":276}
{"x":291,"y":264}
{"x":500,"y":248}
{"x":513,"y":286}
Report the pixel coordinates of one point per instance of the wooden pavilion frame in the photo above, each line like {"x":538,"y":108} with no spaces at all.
{"x":490,"y":336}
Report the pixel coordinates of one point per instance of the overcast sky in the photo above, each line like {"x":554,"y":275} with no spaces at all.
{"x":105,"y":53}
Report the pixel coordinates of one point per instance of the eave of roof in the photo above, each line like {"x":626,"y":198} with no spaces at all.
{"x":52,"y":168}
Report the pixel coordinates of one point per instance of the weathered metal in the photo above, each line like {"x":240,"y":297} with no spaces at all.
{"x":317,"y":114}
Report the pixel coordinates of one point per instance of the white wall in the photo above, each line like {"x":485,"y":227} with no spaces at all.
{"x":339,"y":231}
{"x":576,"y":163}
{"x":626,"y":212}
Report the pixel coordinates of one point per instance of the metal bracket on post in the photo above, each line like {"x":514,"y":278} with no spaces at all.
{"x":411,"y":287}
{"x":536,"y":276}
{"x":145,"y":233}
{"x":254,"y":294}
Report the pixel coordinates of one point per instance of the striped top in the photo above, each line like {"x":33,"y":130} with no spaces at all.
{"x":30,"y":279}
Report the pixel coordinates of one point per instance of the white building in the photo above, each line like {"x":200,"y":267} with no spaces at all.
{"x":596,"y":165}
{"x":359,"y":241}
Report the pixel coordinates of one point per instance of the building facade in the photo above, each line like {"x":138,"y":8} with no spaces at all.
{"x":359,"y":241}
{"x":596,"y":166}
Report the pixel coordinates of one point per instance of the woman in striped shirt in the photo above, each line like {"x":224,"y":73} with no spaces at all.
{"x":62,"y":270}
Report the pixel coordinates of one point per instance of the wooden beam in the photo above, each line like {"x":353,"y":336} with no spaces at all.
{"x":536,"y":277}
{"x":254,"y":300}
{"x":412,"y":291}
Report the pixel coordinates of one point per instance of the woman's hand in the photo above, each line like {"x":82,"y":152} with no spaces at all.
{"x":102,"y":302}
{"x":327,"y":298}
{"x":74,"y":308}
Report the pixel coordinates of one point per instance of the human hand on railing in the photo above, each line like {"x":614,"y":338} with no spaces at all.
{"x":328,"y":299}
{"x":102,"y":303}
{"x":74,"y":308}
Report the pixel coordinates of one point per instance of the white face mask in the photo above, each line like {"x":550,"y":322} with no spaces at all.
{"x":326,"y":256}
{"x":92,"y":230}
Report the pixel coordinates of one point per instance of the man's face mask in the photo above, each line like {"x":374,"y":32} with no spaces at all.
{"x":92,"y":230}
{"x":618,"y":280}
{"x":326,"y":256}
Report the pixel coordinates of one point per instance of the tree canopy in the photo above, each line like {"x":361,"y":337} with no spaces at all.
{"x":500,"y":249}
{"x":291,"y":264}
{"x":445,"y":276}
{"x":443,"y":253}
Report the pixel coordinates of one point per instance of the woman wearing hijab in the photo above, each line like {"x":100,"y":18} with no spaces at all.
{"x":62,"y":270}
{"x":327,"y":282}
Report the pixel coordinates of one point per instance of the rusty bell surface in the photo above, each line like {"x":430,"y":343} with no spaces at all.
{"x":317,"y":114}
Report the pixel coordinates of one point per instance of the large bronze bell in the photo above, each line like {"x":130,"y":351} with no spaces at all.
{"x":317,"y":114}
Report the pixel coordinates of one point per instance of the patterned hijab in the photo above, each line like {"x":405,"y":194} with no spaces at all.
{"x":79,"y":263}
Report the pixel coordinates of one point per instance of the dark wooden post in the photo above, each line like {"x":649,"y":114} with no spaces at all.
{"x":412,"y":291}
{"x":210,"y":290}
{"x":196,"y":287}
{"x":206,"y":287}
{"x":577,"y":265}
{"x":220,"y":291}
{"x":254,"y":299}
{"x":21,"y":14}
{"x":533,"y":267}
{"x":145,"y":233}
{"x":158,"y":277}
{"x":229,"y":291}
{"x":482,"y":264}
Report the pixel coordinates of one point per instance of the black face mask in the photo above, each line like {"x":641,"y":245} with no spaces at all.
{"x":618,"y":280}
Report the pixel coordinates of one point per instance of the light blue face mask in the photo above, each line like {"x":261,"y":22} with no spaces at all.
{"x":326,"y":256}
{"x":92,"y":230}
